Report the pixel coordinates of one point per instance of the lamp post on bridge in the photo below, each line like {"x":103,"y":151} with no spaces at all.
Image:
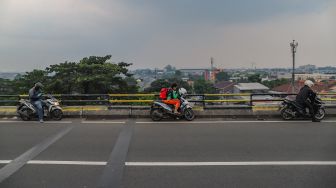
{"x":293,"y":46}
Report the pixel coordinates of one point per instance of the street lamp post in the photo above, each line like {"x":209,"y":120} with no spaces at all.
{"x":294,"y":46}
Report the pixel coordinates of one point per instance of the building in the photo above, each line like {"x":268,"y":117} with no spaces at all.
{"x":225,"y":86}
{"x":250,"y":88}
{"x":207,"y":74}
{"x":319,"y":87}
{"x":315,"y":76}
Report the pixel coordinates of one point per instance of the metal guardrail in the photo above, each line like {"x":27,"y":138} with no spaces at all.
{"x":111,"y":99}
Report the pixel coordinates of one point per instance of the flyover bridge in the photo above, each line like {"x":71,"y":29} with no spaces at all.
{"x":140,"y":153}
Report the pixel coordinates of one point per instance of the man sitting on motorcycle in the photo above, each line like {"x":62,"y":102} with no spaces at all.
{"x":173,"y":97}
{"x":35,"y":97}
{"x":306,"y":96}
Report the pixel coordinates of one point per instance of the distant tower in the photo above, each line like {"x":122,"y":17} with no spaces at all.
{"x":212,"y":63}
{"x":212,"y":71}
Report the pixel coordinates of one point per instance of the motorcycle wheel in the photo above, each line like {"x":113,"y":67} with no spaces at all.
{"x":286,"y":114}
{"x":189,"y":114}
{"x":27,"y":111}
{"x":320,"y":114}
{"x":56,"y":114}
{"x":156,"y":114}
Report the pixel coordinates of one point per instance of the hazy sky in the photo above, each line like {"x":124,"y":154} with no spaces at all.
{"x":154,"y":33}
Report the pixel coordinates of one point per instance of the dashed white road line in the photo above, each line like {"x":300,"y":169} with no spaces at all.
{"x":103,"y":122}
{"x":36,"y":122}
{"x":223,"y":122}
{"x":240,"y":163}
{"x":243,"y":163}
{"x":42,"y":162}
{"x":86,"y":163}
{"x":5,"y":161}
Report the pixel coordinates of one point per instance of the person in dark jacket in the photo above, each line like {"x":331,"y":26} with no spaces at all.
{"x":35,"y":97}
{"x":306,"y":96}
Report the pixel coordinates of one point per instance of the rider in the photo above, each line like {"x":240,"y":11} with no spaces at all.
{"x":35,"y":97}
{"x":173,"y":97}
{"x":305,"y":97}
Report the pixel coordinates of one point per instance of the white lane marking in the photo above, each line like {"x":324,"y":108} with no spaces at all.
{"x":217,"y":122}
{"x":42,"y":162}
{"x":58,"y":122}
{"x":5,"y":161}
{"x":244,"y":163}
{"x":103,"y":122}
{"x":36,"y":122}
{"x":87,"y":163}
{"x":11,"y":121}
{"x":241,"y":163}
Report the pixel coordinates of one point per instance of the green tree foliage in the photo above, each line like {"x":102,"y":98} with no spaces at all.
{"x":275,"y":83}
{"x":202,"y":86}
{"x":89,"y":76}
{"x":23,"y":83}
{"x":160,"y":83}
{"x":254,"y":78}
{"x":169,"y":68}
{"x":178,"y":74}
{"x":222,"y":76}
{"x":6,"y":87}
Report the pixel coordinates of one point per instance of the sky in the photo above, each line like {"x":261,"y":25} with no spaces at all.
{"x":153,"y":33}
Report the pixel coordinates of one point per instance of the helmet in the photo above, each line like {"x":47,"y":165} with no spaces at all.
{"x":182,"y":91}
{"x":38,"y":85}
{"x":309,"y":83}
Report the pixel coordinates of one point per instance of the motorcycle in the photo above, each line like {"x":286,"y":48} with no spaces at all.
{"x":290,"y":109}
{"x":51,"y":109}
{"x":160,"y":110}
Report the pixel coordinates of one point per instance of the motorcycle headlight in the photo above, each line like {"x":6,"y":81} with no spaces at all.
{"x":56,"y":103}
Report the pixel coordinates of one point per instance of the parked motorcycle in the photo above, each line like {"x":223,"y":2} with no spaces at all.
{"x":160,"y":110}
{"x":290,"y":109}
{"x":51,"y":109}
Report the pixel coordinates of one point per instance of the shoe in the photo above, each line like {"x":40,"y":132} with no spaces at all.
{"x":41,"y":121}
{"x":177,"y":113}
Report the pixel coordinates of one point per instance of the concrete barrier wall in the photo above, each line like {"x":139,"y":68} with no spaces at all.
{"x":143,"y":111}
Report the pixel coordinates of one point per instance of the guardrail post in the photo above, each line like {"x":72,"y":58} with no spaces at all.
{"x":251,"y":100}
{"x":203,"y":96}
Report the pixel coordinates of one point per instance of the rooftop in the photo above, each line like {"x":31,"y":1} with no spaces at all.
{"x":251,"y":86}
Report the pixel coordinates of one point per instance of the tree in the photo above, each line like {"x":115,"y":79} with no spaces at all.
{"x":254,"y":78}
{"x":169,"y":68}
{"x":65,"y":77}
{"x":6,"y":87}
{"x":202,"y":86}
{"x":178,"y":74}
{"x":156,"y":86}
{"x":23,"y":83}
{"x":222,"y":76}
{"x":160,"y":83}
{"x":90,"y":75}
{"x":275,"y":83}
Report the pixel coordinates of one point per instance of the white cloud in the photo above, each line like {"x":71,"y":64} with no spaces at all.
{"x":53,"y":18}
{"x":238,"y":45}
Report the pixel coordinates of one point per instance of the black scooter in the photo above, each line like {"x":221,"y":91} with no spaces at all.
{"x":290,"y":109}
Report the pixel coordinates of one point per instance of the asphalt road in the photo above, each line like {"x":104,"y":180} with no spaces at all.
{"x":140,"y":153}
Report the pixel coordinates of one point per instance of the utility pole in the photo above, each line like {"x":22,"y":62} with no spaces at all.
{"x":293,"y":46}
{"x":212,"y":71}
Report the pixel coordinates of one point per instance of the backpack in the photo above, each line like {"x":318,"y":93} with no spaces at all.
{"x":163,"y":93}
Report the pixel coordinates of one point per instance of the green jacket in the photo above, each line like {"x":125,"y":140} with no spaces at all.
{"x":173,"y":94}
